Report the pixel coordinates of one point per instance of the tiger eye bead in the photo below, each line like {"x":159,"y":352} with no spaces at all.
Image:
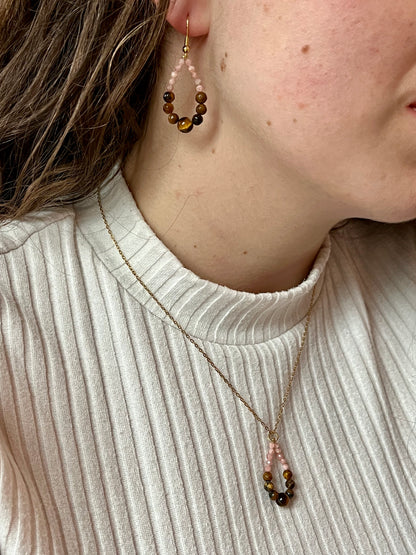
{"x":282,"y":499}
{"x":290,"y":493}
{"x":168,"y":108}
{"x":201,"y":97}
{"x":185,"y":125}
{"x":173,"y":118}
{"x":201,"y":109}
{"x":197,"y":119}
{"x":287,"y":475}
{"x":267,"y":476}
{"x":269,"y":486}
{"x":168,"y":96}
{"x":290,"y":484}
{"x":273,"y":495}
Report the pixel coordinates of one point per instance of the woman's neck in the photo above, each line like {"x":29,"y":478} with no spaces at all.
{"x":227,"y":215}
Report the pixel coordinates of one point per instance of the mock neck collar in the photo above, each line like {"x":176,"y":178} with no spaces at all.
{"x":206,"y":310}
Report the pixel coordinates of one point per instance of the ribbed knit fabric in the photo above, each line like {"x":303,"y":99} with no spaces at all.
{"x":117,"y":437}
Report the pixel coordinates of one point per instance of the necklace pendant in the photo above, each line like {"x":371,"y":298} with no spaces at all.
{"x":283,"y":498}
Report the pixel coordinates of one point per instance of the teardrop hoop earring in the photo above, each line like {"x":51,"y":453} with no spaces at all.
{"x":185,"y":124}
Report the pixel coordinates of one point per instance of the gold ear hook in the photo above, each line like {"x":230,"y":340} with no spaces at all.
{"x":186,"y":47}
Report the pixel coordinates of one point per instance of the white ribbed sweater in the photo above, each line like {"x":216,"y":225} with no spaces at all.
{"x":117,"y":437}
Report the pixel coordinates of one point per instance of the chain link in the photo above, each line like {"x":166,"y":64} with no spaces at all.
{"x":272,"y":432}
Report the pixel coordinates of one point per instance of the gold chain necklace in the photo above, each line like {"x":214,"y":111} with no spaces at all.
{"x":282,"y":498}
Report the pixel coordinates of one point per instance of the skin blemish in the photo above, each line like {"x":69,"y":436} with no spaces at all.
{"x":301,"y":106}
{"x":305,"y":48}
{"x":269,"y":123}
{"x":266,"y":8}
{"x":295,"y":120}
{"x":245,"y":252}
{"x":195,"y":247}
{"x":226,"y":54}
{"x":213,"y":151}
{"x":223,"y":65}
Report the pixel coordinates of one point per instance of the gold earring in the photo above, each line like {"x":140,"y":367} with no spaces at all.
{"x":185,"y":124}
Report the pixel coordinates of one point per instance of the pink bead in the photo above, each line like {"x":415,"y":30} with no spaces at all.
{"x":194,"y":75}
{"x":286,"y":467}
{"x":191,"y":68}
{"x":198,"y":81}
{"x":171,"y":82}
{"x":271,"y":445}
{"x":267,"y":468}
{"x":188,"y":62}
{"x":283,"y":462}
{"x":200,"y":88}
{"x":177,"y":68}
{"x":169,"y":88}
{"x":174,"y":74}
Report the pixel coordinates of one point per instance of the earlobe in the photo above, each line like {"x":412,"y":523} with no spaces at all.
{"x":196,"y":10}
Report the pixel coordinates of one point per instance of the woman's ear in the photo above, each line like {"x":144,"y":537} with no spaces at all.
{"x":198,"y":12}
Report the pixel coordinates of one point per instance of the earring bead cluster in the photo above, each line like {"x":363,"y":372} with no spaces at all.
{"x":185,"y":124}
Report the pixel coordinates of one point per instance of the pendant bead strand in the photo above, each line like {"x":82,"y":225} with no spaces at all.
{"x":281,"y":498}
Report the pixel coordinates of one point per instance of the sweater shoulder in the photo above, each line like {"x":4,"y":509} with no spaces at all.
{"x":50,"y":223}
